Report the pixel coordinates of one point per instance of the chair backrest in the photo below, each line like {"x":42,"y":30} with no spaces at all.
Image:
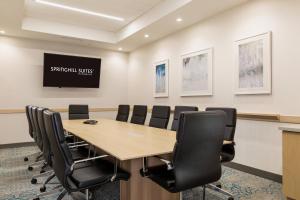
{"x":231,"y":115}
{"x":178,"y":110}
{"x":61,"y":156}
{"x":123,"y":113}
{"x":32,"y":124}
{"x":46,"y":145}
{"x":27,"y":108}
{"x":160,"y":116}
{"x":196,"y":156}
{"x":78,"y":111}
{"x":39,"y":139}
{"x":139,"y":114}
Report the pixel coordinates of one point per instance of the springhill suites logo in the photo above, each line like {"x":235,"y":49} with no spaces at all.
{"x":79,"y":71}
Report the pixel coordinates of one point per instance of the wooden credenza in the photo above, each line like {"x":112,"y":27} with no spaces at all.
{"x":291,"y":161}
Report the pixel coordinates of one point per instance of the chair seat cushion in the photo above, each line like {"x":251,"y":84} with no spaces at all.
{"x":96,"y":173}
{"x":162,"y":176}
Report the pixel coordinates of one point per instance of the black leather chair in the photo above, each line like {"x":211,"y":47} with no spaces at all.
{"x":228,"y":150}
{"x":123,"y":113}
{"x":139,"y":114}
{"x":47,"y":153}
{"x":160,"y":116}
{"x":30,"y":118}
{"x":30,"y":129}
{"x":78,"y":111}
{"x":178,"y":110}
{"x":37,"y":112}
{"x":36,"y":136}
{"x":196,"y":155}
{"x":77,"y":175}
{"x":39,"y":139}
{"x":27,"y":108}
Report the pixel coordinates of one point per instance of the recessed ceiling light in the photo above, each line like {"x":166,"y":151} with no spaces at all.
{"x":146,"y":35}
{"x":120,"y":48}
{"x":179,"y":19}
{"x":79,"y":10}
{"x":2,"y":32}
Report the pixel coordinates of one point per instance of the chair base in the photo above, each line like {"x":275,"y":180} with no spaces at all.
{"x":218,"y":189}
{"x":43,"y":188}
{"x":38,"y":164}
{"x":55,"y":190}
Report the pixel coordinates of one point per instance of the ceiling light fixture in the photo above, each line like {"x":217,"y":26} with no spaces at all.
{"x":146,"y":35}
{"x":79,"y":10}
{"x":179,"y":19}
{"x":2,"y":32}
{"x":120,"y":48}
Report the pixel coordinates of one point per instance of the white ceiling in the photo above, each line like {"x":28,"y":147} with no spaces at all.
{"x":127,"y":9}
{"x":26,"y":18}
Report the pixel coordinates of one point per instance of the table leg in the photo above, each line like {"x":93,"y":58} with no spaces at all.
{"x":142,"y":188}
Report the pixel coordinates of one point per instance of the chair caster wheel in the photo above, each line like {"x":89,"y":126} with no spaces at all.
{"x":219,"y":186}
{"x":42,"y":189}
{"x":42,"y":171}
{"x":33,"y":181}
{"x":30,"y":168}
{"x":26,"y":159}
{"x":230,"y":198}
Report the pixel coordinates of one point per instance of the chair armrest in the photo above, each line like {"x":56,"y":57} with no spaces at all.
{"x":79,"y":145}
{"x":167,"y":162}
{"x":87,"y":159}
{"x":75,"y":143}
{"x":68,"y":136}
{"x":228,"y":142}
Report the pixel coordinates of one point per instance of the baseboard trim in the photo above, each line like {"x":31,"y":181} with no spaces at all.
{"x":16,"y":145}
{"x":257,"y":172}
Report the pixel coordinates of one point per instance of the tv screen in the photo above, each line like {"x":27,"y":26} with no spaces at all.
{"x":71,"y":71}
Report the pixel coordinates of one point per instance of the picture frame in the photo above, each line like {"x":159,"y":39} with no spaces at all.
{"x":161,"y":79}
{"x":253,"y":65}
{"x":197,"y":73}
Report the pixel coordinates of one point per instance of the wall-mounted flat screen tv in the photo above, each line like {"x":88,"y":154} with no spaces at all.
{"x":71,"y":71}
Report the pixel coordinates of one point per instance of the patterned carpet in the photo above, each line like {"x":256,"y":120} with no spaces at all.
{"x":15,"y":182}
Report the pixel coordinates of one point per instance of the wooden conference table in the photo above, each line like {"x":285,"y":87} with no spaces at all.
{"x":129,"y":143}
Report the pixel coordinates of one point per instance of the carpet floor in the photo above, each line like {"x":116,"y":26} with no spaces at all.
{"x":15,"y":182}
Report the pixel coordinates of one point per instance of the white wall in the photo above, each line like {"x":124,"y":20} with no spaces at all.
{"x":258,"y":143}
{"x":21,"y":82}
{"x":123,"y":80}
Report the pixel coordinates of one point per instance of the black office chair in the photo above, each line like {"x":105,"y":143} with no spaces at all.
{"x":86,"y":174}
{"x":77,"y":154}
{"x":123,"y":113}
{"x":160,"y":117}
{"x":178,"y":110}
{"x":139,"y":114}
{"x":30,"y":129}
{"x":78,"y":111}
{"x":196,"y":155}
{"x":228,"y":150}
{"x":29,"y":122}
{"x":37,"y":138}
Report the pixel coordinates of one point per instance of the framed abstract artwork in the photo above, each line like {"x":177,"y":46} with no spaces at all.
{"x":196,"y":72}
{"x":253,"y":65}
{"x":161,"y":79}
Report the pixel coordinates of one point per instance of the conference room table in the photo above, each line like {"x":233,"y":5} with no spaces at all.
{"x":130,"y":144}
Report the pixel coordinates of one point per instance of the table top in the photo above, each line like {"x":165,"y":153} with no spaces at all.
{"x":123,"y":140}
